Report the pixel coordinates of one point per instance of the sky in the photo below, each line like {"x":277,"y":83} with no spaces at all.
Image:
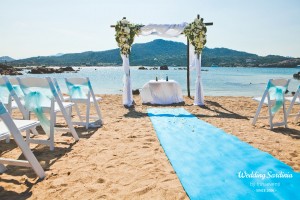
{"x":31,"y":28}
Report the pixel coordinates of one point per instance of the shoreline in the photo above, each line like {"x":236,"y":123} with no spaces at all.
{"x":124,"y":160}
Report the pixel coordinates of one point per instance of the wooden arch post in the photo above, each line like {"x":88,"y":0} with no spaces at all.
{"x":188,"y":60}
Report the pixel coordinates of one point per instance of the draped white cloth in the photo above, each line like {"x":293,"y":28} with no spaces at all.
{"x":195,"y":63}
{"x":127,"y":88}
{"x":163,"y":30}
{"x":161,"y":92}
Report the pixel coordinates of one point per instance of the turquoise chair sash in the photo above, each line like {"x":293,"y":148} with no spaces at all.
{"x":18,"y":91}
{"x":2,"y":109}
{"x":35,"y":99}
{"x":77,"y":91}
{"x":277,"y":94}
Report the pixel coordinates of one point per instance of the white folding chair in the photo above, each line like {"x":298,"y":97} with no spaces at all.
{"x":294,"y":100}
{"x":274,"y":98}
{"x":41,"y":97}
{"x":14,"y":127}
{"x":81,"y":91}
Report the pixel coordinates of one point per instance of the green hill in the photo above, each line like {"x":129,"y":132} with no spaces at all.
{"x":161,"y":52}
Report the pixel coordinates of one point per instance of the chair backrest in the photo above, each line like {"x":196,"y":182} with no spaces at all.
{"x":4,"y":92}
{"x":280,"y":82}
{"x":31,"y":159}
{"x":40,"y":93}
{"x":16,"y":93}
{"x":33,"y":85}
{"x":16,"y":86}
{"x":275,"y":84}
{"x":79,"y":87}
{"x":276,"y":89}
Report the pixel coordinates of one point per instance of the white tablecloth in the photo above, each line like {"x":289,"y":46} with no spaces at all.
{"x":161,"y":92}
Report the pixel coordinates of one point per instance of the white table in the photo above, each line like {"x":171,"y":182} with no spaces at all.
{"x":161,"y":92}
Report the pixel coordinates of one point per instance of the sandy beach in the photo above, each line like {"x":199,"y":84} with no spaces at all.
{"x":124,"y":160}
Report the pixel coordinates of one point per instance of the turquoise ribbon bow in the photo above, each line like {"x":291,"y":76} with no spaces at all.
{"x":2,"y":109}
{"x":77,"y":91}
{"x":277,"y":93}
{"x":33,"y":102}
{"x":18,"y":91}
{"x":35,"y":99}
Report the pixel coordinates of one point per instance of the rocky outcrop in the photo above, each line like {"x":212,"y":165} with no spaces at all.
{"x":8,"y":70}
{"x":142,"y":68}
{"x":164,"y":67}
{"x":290,"y":63}
{"x":49,"y":70}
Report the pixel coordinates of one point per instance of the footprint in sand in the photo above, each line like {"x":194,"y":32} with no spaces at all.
{"x":100,"y":180}
{"x":293,"y":154}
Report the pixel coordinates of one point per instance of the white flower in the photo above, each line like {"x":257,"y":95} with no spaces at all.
{"x":127,"y":30}
{"x":126,"y":46}
{"x":123,"y":39}
{"x":124,"y":21}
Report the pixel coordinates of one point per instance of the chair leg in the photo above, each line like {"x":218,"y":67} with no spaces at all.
{"x":98,"y":110}
{"x":78,"y":112}
{"x":285,"y":116}
{"x":70,"y":124}
{"x":271,"y":116}
{"x":7,"y":140}
{"x":52,"y":124}
{"x":34,"y":131}
{"x":88,"y":107}
{"x":28,"y":137}
{"x":297,"y":117}
{"x":256,"y":115}
{"x":70,"y":111}
{"x":2,"y":168}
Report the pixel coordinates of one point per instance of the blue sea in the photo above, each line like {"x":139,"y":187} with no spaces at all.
{"x":217,"y":81}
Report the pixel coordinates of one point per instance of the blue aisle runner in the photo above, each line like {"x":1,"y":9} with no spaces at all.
{"x":212,"y":164}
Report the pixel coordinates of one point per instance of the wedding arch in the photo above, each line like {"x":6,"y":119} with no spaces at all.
{"x":196,"y":39}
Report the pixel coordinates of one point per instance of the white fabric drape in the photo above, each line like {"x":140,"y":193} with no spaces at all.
{"x":192,"y":57}
{"x":161,"y":92}
{"x":163,"y":30}
{"x":195,"y":63}
{"x":127,"y":89}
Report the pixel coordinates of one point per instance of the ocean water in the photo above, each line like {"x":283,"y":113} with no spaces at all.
{"x":217,"y":81}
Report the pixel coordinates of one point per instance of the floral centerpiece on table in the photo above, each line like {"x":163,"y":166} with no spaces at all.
{"x":196,"y":33}
{"x":125,"y":33}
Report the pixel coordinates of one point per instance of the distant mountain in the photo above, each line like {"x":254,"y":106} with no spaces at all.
{"x":4,"y":59}
{"x":58,"y":54}
{"x":161,"y":52}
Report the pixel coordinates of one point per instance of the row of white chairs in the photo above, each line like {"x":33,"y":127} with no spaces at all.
{"x":274,"y":96}
{"x":40,"y":96}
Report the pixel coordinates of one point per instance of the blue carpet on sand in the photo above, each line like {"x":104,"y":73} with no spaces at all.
{"x":212,"y":164}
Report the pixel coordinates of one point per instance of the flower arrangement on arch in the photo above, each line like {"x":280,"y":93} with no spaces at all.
{"x":196,"y":33}
{"x":125,"y":33}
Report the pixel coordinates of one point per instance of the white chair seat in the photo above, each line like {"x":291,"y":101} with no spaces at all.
{"x":258,"y":99}
{"x":57,"y":108}
{"x":21,"y":125}
{"x":66,"y":98}
{"x":98,"y":99}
